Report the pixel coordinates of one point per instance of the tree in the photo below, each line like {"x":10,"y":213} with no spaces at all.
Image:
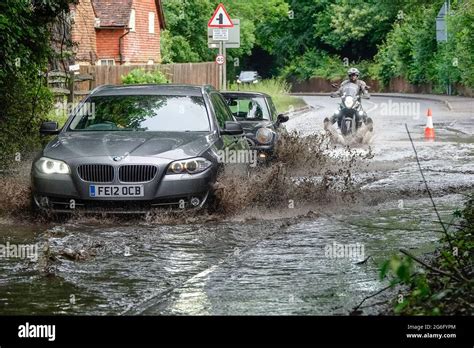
{"x":25,"y":48}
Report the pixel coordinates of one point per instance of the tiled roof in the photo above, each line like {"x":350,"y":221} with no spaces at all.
{"x":113,"y":13}
{"x":116,"y":13}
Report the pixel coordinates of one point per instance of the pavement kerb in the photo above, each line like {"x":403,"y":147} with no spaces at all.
{"x":407,"y":96}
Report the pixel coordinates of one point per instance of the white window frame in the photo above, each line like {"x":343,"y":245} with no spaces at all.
{"x":151,"y":22}
{"x":132,"y":22}
{"x":106,"y":61}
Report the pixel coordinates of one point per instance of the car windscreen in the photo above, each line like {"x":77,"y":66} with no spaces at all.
{"x":249,"y":108}
{"x":152,"y":113}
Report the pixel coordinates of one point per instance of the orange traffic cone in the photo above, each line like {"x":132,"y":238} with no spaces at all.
{"x":429,"y":130}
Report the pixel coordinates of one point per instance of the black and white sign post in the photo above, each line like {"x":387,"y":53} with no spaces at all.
{"x":220,"y":29}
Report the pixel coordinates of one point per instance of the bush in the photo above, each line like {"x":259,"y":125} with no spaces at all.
{"x":139,"y":76}
{"x":25,"y":104}
{"x":411,"y":51}
{"x":25,"y":48}
{"x":320,"y":64}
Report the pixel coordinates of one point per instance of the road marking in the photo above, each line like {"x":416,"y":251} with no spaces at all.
{"x":374,"y":106}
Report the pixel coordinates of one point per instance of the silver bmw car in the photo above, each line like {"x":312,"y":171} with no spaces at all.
{"x":132,"y":148}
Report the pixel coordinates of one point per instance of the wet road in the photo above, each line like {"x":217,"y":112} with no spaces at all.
{"x":281,"y":262}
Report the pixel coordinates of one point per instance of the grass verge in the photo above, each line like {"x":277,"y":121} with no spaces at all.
{"x":277,"y":89}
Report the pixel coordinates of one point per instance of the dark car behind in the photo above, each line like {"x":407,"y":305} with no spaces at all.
{"x":259,"y":118}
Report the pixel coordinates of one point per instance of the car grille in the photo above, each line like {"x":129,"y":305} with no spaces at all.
{"x":137,"y":173}
{"x":96,"y":172}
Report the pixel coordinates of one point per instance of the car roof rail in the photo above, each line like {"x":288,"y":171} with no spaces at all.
{"x":99,"y":88}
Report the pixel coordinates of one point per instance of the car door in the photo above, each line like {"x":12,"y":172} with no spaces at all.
{"x":223,"y":114}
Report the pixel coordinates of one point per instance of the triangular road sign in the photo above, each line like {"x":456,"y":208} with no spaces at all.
{"x":220,"y":18}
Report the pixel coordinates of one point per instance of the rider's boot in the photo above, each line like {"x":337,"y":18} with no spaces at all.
{"x":370,"y":124}
{"x":326,"y":123}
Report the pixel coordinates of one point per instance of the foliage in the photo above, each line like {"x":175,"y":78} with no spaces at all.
{"x":25,"y":104}
{"x":320,"y":64}
{"x":278,"y":89}
{"x":446,"y":287}
{"x":315,"y":63}
{"x":139,"y":76}
{"x":348,"y":23}
{"x":308,"y":38}
{"x":411,"y":51}
{"x":175,"y":48}
{"x":460,"y":48}
{"x":25,"y":48}
{"x":185,"y":39}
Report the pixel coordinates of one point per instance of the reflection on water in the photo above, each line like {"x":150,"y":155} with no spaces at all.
{"x":230,"y":267}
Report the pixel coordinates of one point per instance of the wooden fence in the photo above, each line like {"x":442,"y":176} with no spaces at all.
{"x":184,"y":73}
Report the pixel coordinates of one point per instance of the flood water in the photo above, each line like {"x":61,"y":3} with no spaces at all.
{"x":257,"y":260}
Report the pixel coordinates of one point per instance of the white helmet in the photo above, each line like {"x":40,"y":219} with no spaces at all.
{"x":353,"y":71}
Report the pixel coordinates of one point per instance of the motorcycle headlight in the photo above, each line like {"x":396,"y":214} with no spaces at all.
{"x":189,"y":166}
{"x":51,"y":166}
{"x":264,"y":136}
{"x":349,"y":102}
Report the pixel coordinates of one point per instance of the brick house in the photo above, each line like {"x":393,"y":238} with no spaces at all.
{"x":110,"y":32}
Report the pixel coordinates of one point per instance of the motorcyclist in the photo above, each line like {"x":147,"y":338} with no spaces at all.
{"x":353,"y":74}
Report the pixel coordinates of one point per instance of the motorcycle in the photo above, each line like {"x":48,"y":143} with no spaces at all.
{"x":350,"y":115}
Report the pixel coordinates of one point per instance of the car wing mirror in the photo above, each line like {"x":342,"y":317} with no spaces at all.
{"x":49,"y":128}
{"x":232,"y":128}
{"x":281,"y":118}
{"x":334,"y":95}
{"x":334,"y":85}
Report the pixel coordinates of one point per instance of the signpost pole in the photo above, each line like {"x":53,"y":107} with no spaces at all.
{"x":224,"y":68}
{"x":220,"y":66}
{"x":222,"y":33}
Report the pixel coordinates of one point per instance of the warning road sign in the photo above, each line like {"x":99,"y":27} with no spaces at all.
{"x":220,"y":18}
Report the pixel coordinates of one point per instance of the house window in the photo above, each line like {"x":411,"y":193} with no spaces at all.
{"x":131,"y":25}
{"x":151,"y":22}
{"x":107,"y":62}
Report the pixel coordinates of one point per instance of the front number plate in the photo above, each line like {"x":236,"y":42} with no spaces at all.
{"x":116,"y":191}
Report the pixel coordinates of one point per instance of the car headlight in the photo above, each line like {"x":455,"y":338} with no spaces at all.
{"x":349,"y":102}
{"x":51,"y":166}
{"x":264,"y":135}
{"x":190,"y":166}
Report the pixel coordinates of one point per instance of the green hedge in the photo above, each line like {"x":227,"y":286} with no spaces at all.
{"x":138,"y":76}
